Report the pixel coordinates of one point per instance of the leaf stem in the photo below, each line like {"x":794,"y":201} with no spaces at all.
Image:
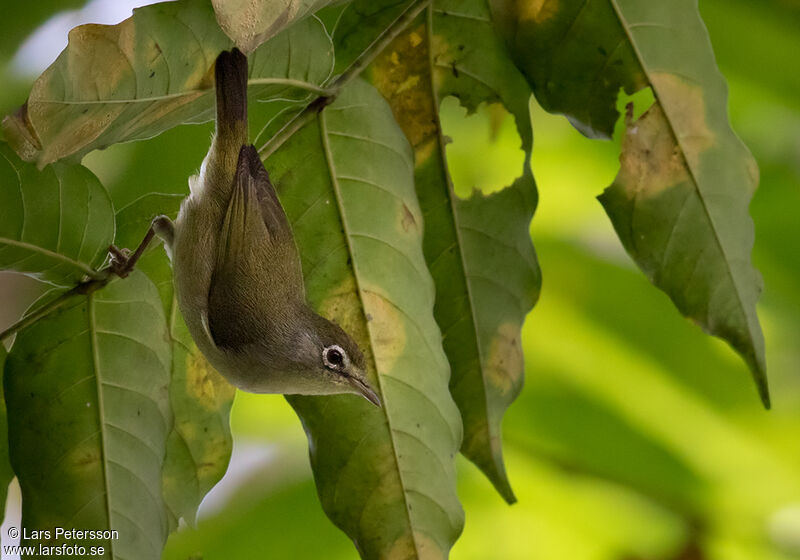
{"x":299,"y":84}
{"x":354,"y":70}
{"x":99,"y":280}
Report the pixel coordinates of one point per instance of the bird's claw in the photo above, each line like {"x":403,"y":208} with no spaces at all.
{"x":120,"y":261}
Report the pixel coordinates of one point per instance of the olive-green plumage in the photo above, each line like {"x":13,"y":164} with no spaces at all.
{"x":237,"y":270}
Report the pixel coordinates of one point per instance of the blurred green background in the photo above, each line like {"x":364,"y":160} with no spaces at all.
{"x":636,"y":437}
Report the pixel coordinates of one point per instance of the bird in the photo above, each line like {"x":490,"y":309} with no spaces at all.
{"x":237,"y":270}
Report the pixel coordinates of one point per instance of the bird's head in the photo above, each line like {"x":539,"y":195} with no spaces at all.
{"x":334,"y":356}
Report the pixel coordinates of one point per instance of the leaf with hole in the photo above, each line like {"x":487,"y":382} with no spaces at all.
{"x":576,"y":56}
{"x":478,"y":248}
{"x":680,"y":202}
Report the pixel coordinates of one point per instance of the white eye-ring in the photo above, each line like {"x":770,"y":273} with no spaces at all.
{"x":334,"y":357}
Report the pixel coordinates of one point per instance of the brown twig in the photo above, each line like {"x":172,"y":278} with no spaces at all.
{"x":101,"y":278}
{"x":122,"y":265}
{"x":354,"y":70}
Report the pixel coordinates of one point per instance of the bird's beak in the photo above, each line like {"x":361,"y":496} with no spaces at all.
{"x":365,"y":390}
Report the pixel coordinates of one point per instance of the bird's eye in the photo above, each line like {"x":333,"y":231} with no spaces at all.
{"x":334,"y":357}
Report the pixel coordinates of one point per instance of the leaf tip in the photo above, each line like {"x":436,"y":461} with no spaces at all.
{"x":506,"y":492}
{"x":765,"y":398}
{"x":753,"y":356}
{"x":493,"y":467}
{"x":760,"y":375}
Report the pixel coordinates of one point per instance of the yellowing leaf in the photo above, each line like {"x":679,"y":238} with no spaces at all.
{"x":385,"y":476}
{"x":86,"y":390}
{"x":153,"y":71}
{"x":477,"y":249}
{"x":250,"y":23}
{"x":680,"y":202}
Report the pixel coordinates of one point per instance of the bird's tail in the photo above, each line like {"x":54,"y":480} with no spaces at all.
{"x":231,"y":79}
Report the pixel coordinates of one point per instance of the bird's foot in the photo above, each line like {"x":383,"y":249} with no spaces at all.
{"x":123,"y":261}
{"x":120,"y":261}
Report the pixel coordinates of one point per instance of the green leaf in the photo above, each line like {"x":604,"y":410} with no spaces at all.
{"x":6,"y":472}
{"x":250,"y":23}
{"x":575,"y":55}
{"x":680,"y":209}
{"x":385,"y":476}
{"x":356,"y":25}
{"x":86,"y":390}
{"x":133,"y":221}
{"x":478,"y":249}
{"x":55,"y":224}
{"x":151,"y":72}
{"x":680,"y":201}
{"x":200,"y":443}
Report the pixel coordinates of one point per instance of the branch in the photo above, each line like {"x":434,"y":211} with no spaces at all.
{"x":354,"y":70}
{"x":100,"y":279}
{"x":122,"y":263}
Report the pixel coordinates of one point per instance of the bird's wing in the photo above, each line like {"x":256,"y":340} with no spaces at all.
{"x":251,"y":170}
{"x":241,"y":239}
{"x":283,"y":256}
{"x":257,"y":262}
